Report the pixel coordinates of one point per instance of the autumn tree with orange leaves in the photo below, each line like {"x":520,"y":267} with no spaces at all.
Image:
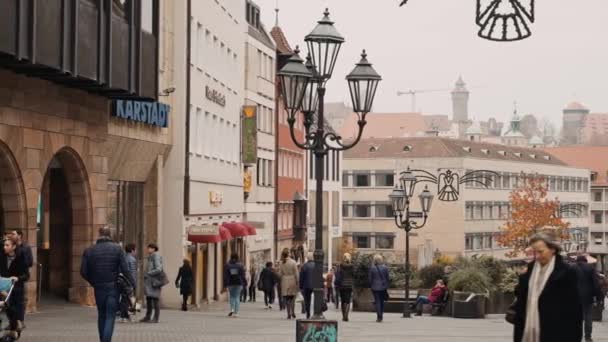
{"x":531,"y":213}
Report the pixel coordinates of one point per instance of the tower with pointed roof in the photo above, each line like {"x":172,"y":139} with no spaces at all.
{"x":574,"y":116}
{"x":460,"y":102}
{"x":513,"y":136}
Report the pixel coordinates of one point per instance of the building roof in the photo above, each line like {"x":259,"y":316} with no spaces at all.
{"x":389,"y":125}
{"x":281,"y":41}
{"x":435,"y":147}
{"x":589,"y":157}
{"x":261,"y":36}
{"x":575,"y":106}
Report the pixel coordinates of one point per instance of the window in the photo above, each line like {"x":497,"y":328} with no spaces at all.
{"x":147,"y":15}
{"x":478,"y":214}
{"x":560,"y":184}
{"x":506,"y":181}
{"x":566,"y":185}
{"x":385,"y":242}
{"x":477,"y":243}
{"x":362,"y":241}
{"x":579,"y":185}
{"x":362,"y":210}
{"x":469,"y":211}
{"x":345,"y":179}
{"x":487,"y":242}
{"x":597,"y":218}
{"x":384,"y":210}
{"x":362,"y":179}
{"x":468,"y":243}
{"x":597,"y":196}
{"x":345,"y":210}
{"x":385,"y":179}
{"x":552,"y":184}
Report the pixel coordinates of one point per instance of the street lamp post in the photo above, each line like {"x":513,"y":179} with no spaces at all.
{"x":401,"y":199}
{"x":303,"y":90}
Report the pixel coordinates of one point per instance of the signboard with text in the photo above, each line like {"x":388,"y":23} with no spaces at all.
{"x":249,"y":135}
{"x":151,"y":113}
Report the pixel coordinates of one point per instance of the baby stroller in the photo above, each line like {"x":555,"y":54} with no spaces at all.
{"x":6,"y":289}
{"x":127,"y":294}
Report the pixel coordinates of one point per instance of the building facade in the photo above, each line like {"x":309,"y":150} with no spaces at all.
{"x":574,"y":117}
{"x":259,"y":88}
{"x":465,"y":227}
{"x":83,"y":138}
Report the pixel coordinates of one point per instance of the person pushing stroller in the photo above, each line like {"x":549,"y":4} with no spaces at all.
{"x":13,"y":267}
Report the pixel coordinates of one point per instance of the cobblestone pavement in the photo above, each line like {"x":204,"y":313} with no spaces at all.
{"x":67,"y":323}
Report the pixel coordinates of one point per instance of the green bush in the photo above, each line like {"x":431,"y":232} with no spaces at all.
{"x":509,"y":281}
{"x":430,"y":274}
{"x":362,"y":262}
{"x":470,"y":279}
{"x":493,"y":267}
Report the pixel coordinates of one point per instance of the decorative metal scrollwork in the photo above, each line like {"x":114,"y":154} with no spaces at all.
{"x":448,"y":182}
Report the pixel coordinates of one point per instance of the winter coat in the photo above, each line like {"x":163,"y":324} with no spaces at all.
{"x":234,"y":274}
{"x":17,"y":269}
{"x":559,"y":306}
{"x":588,"y":284}
{"x":184,"y":281}
{"x":102,"y":263}
{"x":307,"y":276}
{"x":379,"y":278}
{"x":288,"y":272}
{"x":132,"y":265}
{"x":268,"y":279}
{"x":345,"y":276}
{"x":154,"y":268}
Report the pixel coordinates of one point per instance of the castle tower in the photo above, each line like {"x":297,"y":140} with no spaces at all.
{"x":460,"y":102}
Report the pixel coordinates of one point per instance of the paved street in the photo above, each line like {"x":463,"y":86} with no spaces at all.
{"x":72,"y":323}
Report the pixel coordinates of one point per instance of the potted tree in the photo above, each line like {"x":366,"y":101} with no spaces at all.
{"x":470,"y":286}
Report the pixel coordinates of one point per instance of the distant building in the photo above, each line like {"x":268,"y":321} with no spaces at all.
{"x":465,"y":227}
{"x":529,"y":126}
{"x":513,"y":136}
{"x":595,"y":130}
{"x":594,"y":159}
{"x":574,"y":117}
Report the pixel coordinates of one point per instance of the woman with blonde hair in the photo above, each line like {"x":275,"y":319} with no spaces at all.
{"x":345,"y":282}
{"x":288,"y":273}
{"x":379,"y":281}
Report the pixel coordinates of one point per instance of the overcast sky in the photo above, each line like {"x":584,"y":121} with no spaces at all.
{"x":427,"y":44}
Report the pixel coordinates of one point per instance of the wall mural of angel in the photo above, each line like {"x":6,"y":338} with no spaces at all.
{"x":448,"y":182}
{"x":503,"y":20}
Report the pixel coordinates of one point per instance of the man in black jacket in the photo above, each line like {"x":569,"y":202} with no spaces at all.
{"x":307,"y":284}
{"x":23,"y":248}
{"x":589,"y":289}
{"x":13,"y":266}
{"x":101,"y":265}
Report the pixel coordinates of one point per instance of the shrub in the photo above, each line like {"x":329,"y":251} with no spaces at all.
{"x":470,"y":279}
{"x":509,"y":281}
{"x":361,"y":263}
{"x":493,"y":267}
{"x":430,"y":274}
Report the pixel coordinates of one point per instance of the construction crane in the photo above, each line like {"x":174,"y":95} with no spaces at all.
{"x":414,"y":92}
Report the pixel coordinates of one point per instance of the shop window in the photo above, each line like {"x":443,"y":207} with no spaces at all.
{"x":384,"y":210}
{"x":362,"y":241}
{"x":362,"y":210}
{"x":385,"y":242}
{"x":362,"y":180}
{"x":385,"y":179}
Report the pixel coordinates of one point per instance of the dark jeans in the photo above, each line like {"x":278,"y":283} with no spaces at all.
{"x":16,"y":308}
{"x":244,"y":294}
{"x":252,"y":291}
{"x":124,"y":307}
{"x":330,"y":294}
{"x":268,"y":297}
{"x":338,"y":294}
{"x":106,"y":299}
{"x":185,"y":301}
{"x":588,"y":319}
{"x":345,"y":295}
{"x":307,"y":294}
{"x":379,"y":298}
{"x":152,"y":305}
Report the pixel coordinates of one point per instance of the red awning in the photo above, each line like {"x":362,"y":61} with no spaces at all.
{"x":250,"y":229}
{"x":204,"y":238}
{"x":225,"y":234}
{"x":236,"y":229}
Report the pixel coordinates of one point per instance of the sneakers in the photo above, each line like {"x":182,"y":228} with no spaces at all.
{"x":230,"y":314}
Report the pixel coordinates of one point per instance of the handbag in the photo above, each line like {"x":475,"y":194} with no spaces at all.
{"x":159,"y":280}
{"x":511,"y":314}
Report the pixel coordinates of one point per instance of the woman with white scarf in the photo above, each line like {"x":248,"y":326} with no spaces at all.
{"x":548,"y":307}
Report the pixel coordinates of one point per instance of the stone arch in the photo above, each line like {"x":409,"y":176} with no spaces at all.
{"x":13,"y":207}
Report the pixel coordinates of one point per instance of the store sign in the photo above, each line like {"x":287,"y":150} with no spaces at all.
{"x":151,"y":113}
{"x":205,"y":229}
{"x":215,"y":96}
{"x":215,"y":198}
{"x":250,"y":135}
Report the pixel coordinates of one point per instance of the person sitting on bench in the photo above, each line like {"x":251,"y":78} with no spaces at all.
{"x":437,"y":294}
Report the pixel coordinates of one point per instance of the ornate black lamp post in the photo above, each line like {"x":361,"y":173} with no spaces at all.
{"x":401,"y":199}
{"x":303,"y":90}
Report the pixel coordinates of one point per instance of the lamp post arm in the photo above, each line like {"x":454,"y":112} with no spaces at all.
{"x":337,"y":139}
{"x":306,"y":145}
{"x":415,"y":224}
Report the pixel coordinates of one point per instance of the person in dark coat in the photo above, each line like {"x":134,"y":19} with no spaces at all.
{"x":184,"y":281}
{"x":253,"y":280}
{"x":590,"y":291}
{"x":307,"y":285}
{"x":548,"y":306}
{"x":26,"y":250}
{"x":101,"y":265}
{"x":14,"y":266}
{"x":130,"y":251}
{"x":379,"y":280}
{"x":344,"y":282}
{"x":234,"y":279}
{"x":267,"y":283}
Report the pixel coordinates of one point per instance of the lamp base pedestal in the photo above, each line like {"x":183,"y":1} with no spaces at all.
{"x":319,"y":330}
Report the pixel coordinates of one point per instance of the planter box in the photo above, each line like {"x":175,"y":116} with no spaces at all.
{"x":498,"y":303}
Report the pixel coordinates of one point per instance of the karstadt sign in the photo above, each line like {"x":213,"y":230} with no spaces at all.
{"x":151,"y":113}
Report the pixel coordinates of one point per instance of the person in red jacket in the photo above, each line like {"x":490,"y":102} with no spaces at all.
{"x":437,"y":293}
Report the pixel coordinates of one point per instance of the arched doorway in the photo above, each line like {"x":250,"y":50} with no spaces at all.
{"x":65,"y":224}
{"x":12,"y":193}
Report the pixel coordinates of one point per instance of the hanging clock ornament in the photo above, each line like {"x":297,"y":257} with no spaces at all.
{"x":505,"y":20}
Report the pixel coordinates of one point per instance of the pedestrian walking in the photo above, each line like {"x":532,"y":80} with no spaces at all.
{"x":379,"y":281}
{"x":548,"y":307}
{"x":100,"y":267}
{"x":234,"y":279}
{"x":590,"y":292}
{"x":307,"y":286}
{"x":245,"y":288}
{"x":267,"y":283}
{"x":279,"y":295}
{"x":329,"y":286}
{"x":154,"y":280}
{"x":337,"y":298}
{"x":124,"y":303}
{"x":25,"y":249}
{"x":254,"y":276}
{"x":345,"y":282}
{"x":184,"y":281}
{"x":288,"y":273}
{"x":13,"y":265}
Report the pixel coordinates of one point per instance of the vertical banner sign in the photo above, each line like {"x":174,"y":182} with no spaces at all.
{"x":250,"y":134}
